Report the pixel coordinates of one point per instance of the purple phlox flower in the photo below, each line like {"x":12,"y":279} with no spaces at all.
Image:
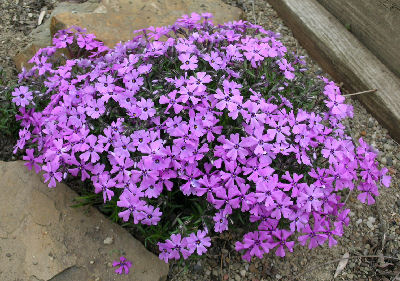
{"x":147,"y":108}
{"x":231,"y":175}
{"x":287,"y":69}
{"x":214,"y":60}
{"x":227,"y":98}
{"x":369,"y":171}
{"x":368,"y":191}
{"x":199,"y":79}
{"x":384,"y":179}
{"x":153,"y":190}
{"x":296,"y":121}
{"x":124,"y":265}
{"x":189,"y":62}
{"x":221,"y":221}
{"x":256,"y":243}
{"x":329,"y":231}
{"x":120,"y":166}
{"x":105,"y":87}
{"x":282,"y":235}
{"x":103,"y":184}
{"x":252,"y":167}
{"x":25,"y":116}
{"x":32,"y":160}
{"x":234,"y":147}
{"x":133,"y":205}
{"x":298,"y":220}
{"x":294,"y":186}
{"x":87,"y":41}
{"x":266,"y":190}
{"x":151,"y":215}
{"x":63,"y":38}
{"x":141,"y":139}
{"x":321,"y":176}
{"x":190,"y":174}
{"x":171,"y":101}
{"x":309,"y":198}
{"x":259,"y":141}
{"x":79,"y":140}
{"x":93,"y":151}
{"x":95,"y":108}
{"x":52,"y":175}
{"x":107,"y":140}
{"x":229,"y":198}
{"x":145,"y":173}
{"x":281,"y":207}
{"x":314,"y":236}
{"x":175,"y":247}
{"x":198,"y":242}
{"x":123,"y":147}
{"x":332,"y":150}
{"x":342,"y":218}
{"x":279,"y":129}
{"x":253,"y":116}
{"x":341,"y":176}
{"x":22,"y":96}
{"x":58,"y":151}
{"x":188,"y":92}
{"x":335,"y":102}
{"x":246,"y":199}
{"x":208,"y":184}
{"x":329,"y":200}
{"x":80,"y":167}
{"x":133,"y":81}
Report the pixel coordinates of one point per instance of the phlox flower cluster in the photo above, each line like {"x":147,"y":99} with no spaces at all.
{"x":219,"y":113}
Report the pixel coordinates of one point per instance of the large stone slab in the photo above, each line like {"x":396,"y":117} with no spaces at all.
{"x":345,"y":58}
{"x":115,"y":20}
{"x":43,"y":238}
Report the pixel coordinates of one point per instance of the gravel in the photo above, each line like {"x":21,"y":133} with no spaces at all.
{"x":376,"y":226}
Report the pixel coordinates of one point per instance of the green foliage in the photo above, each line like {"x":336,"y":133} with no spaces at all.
{"x":9,"y":127}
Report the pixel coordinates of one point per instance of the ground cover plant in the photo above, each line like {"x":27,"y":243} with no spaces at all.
{"x":191,"y":129}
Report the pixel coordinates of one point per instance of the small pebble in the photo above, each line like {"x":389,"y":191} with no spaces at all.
{"x":363,"y":133}
{"x":197,"y":268}
{"x":370,"y":222}
{"x":359,"y":221}
{"x":278,"y":277}
{"x":108,"y":241}
{"x":34,"y":262}
{"x":389,"y":161}
{"x":237,"y":277}
{"x":243,"y":273}
{"x":91,"y":262}
{"x":8,"y":255}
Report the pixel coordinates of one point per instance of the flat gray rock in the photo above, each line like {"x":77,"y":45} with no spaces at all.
{"x":43,"y":238}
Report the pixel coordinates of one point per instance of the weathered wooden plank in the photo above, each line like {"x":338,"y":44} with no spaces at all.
{"x":376,"y":23}
{"x":341,"y":55}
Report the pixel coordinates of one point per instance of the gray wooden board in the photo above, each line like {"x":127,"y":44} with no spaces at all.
{"x":346,"y":59}
{"x":376,"y":23}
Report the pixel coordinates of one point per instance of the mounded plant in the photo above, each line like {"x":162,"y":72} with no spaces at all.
{"x":193,"y":128}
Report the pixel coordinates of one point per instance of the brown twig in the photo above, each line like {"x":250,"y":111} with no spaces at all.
{"x":360,"y":93}
{"x":254,"y":12}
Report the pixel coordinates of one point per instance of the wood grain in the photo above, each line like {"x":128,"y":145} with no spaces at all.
{"x":346,"y":59}
{"x":376,"y":23}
